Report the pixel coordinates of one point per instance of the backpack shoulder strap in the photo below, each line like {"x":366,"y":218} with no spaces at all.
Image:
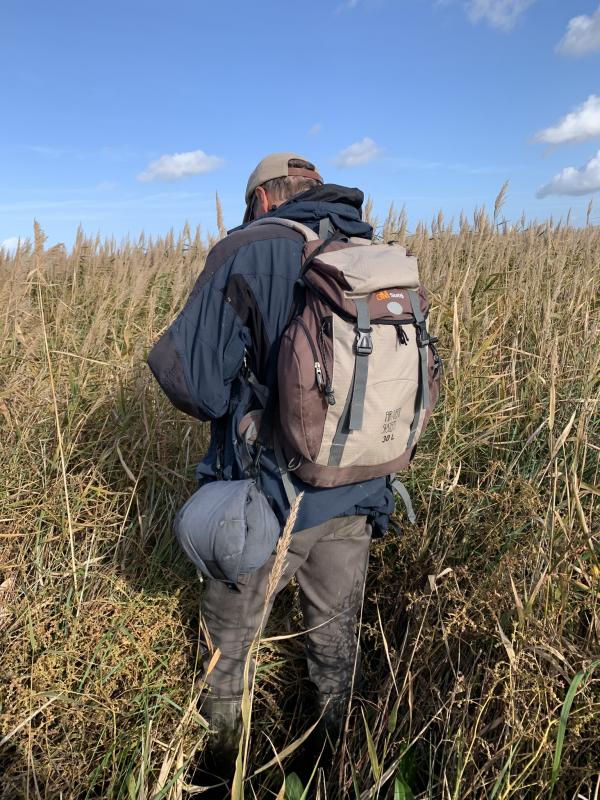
{"x":308,"y":234}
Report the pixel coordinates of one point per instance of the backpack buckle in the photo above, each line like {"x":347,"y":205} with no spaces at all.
{"x":364,"y":343}
{"x":423,"y":337}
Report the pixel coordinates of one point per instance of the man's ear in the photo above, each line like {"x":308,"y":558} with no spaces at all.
{"x":261,"y":201}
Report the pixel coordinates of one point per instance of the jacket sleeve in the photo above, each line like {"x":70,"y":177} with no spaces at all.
{"x":200,"y":354}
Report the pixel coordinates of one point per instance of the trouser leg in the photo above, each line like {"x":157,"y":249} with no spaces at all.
{"x":330,"y":562}
{"x":331,"y":581}
{"x":232,"y":617}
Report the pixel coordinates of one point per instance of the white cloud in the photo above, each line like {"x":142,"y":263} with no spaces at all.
{"x":180,"y":165}
{"x":581,"y":124}
{"x":501,"y":14}
{"x":585,"y":180}
{"x":314,"y":129}
{"x":10,"y":244}
{"x":358,"y":153}
{"x":582,"y":36}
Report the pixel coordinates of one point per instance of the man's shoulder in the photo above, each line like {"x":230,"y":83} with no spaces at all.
{"x":249,"y":250}
{"x":254,"y":240}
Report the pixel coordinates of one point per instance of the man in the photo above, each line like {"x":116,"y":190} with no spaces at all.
{"x":229,"y":329}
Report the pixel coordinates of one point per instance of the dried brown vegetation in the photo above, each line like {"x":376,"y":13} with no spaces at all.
{"x":480,"y":625}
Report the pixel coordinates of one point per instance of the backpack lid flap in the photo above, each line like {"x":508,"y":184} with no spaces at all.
{"x":392,"y":305}
{"x":374,"y":268}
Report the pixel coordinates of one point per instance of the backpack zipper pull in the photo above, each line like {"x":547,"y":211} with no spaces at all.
{"x":402,"y":337}
{"x":319,"y":374}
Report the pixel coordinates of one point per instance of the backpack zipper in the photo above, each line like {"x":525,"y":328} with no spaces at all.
{"x":402,"y":337}
{"x":394,"y":322}
{"x":317,"y":363}
{"x":322,"y":384}
{"x":329,"y":393}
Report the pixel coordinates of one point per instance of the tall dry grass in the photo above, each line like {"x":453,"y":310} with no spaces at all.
{"x":481,"y":625}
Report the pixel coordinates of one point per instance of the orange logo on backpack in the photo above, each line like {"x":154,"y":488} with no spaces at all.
{"x":383,"y":295}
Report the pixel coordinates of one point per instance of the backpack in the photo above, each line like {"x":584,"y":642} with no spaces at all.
{"x":358,"y":373}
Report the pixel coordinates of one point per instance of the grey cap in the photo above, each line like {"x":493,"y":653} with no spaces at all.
{"x":227,"y":528}
{"x":277,"y":165}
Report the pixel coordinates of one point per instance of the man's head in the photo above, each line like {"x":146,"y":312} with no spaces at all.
{"x":277,"y":178}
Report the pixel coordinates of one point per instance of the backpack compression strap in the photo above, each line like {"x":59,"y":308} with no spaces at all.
{"x":351,"y":418}
{"x":423,"y":340}
{"x":400,"y":489}
{"x":363,"y":349}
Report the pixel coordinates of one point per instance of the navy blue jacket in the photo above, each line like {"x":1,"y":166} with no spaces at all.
{"x":239,"y":307}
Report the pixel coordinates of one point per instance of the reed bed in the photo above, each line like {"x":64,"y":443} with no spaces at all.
{"x":481,"y":624}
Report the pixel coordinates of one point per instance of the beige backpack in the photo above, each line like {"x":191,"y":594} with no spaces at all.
{"x":358,"y":372}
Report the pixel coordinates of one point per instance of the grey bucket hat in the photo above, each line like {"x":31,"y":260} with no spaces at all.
{"x":227,"y":528}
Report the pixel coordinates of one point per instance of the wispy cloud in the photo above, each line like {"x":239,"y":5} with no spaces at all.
{"x":103,"y":210}
{"x":10,"y":244}
{"x":453,"y":166}
{"x":502,"y":14}
{"x":582,"y":36}
{"x":572,"y":181}
{"x":347,"y":5}
{"x":180,"y":165}
{"x":358,"y":153}
{"x":44,"y":150}
{"x":93,"y":206}
{"x":581,"y":124}
{"x":314,"y":129}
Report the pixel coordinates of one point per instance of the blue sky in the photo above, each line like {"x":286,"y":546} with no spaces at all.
{"x":428,"y":103}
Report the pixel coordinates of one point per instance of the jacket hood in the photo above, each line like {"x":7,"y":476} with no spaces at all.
{"x":343,"y":206}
